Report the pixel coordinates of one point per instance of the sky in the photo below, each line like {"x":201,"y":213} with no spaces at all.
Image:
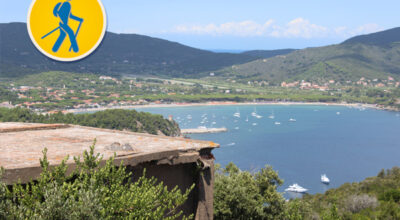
{"x":240,"y":24}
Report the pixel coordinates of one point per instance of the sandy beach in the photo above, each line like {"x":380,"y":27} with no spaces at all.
{"x":175,"y":105}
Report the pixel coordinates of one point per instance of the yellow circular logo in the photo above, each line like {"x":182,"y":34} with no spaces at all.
{"x":66,"y":30}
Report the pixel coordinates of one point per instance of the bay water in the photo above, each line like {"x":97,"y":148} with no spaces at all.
{"x":300,"y":142}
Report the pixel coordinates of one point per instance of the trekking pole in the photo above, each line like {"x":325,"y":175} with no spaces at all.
{"x":76,"y":34}
{"x":50,"y":32}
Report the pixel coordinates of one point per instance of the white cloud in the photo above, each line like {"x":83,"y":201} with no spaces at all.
{"x":243,"y":28}
{"x":366,"y":29}
{"x":300,"y":28}
{"x":296,"y":28}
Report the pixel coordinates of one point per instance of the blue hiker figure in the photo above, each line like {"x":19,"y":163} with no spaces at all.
{"x":63,"y":11}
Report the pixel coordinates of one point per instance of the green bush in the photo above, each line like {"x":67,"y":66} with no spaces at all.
{"x":244,"y":195}
{"x":90,"y":192}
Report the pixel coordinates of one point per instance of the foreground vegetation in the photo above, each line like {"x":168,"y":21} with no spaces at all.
{"x":112,"y":119}
{"x":90,"y":192}
{"x":245,"y":195}
{"x":94,"y":191}
{"x":374,"y":198}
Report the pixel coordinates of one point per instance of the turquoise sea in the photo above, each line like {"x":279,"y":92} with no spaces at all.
{"x":348,"y":144}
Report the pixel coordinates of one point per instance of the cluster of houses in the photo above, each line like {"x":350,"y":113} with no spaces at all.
{"x":389,"y":82}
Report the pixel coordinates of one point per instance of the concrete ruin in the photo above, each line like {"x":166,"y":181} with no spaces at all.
{"x":171,"y":160}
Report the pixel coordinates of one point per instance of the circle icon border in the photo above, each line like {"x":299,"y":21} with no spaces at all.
{"x":103,"y":32}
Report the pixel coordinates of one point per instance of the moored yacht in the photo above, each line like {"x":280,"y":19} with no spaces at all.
{"x":296,"y":188}
{"x":325,"y":179}
{"x":237,"y":114}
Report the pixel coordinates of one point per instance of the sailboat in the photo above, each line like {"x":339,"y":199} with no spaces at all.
{"x":254,"y":113}
{"x":247,"y":118}
{"x":272,"y":116}
{"x":237,"y":114}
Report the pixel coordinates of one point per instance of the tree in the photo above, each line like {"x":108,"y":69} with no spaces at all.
{"x":244,"y":195}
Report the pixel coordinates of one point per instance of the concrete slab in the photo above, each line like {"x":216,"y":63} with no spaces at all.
{"x":21,"y":146}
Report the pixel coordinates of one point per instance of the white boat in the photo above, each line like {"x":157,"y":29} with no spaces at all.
{"x":258,"y":116}
{"x":272,"y":116}
{"x":236,"y":128}
{"x":213,"y":123}
{"x":292,"y":120}
{"x":277,"y":123}
{"x":247,"y":118}
{"x":254,"y":113}
{"x":254,"y":124}
{"x":237,"y":115}
{"x":296,"y":188}
{"x":325,"y":179}
{"x":338,"y":113}
{"x":189,"y":117}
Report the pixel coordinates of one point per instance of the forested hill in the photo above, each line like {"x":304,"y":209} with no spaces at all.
{"x":118,"y":54}
{"x":118,"y":119}
{"x":373,"y":56}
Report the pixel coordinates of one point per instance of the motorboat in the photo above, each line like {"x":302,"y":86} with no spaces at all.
{"x":296,"y":188}
{"x":292,"y":120}
{"x":277,"y":123}
{"x":325,"y":179}
{"x":237,"y":115}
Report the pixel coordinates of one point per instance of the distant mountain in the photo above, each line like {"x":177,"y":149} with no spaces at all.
{"x":267,"y":53}
{"x":118,"y":54}
{"x":372,"y":56}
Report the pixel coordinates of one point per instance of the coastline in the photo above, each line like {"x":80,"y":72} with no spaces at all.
{"x":175,"y":105}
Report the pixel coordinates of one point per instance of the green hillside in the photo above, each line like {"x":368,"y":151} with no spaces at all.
{"x":119,"y":54}
{"x":370,"y":56}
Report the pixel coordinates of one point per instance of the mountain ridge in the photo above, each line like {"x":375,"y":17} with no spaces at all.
{"x":381,"y":38}
{"x":118,"y":54}
{"x":373,"y":56}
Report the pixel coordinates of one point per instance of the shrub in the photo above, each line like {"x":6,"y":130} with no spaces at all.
{"x":391,"y":194}
{"x":90,"y":192}
{"x":356,"y":203}
{"x":244,"y":195}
